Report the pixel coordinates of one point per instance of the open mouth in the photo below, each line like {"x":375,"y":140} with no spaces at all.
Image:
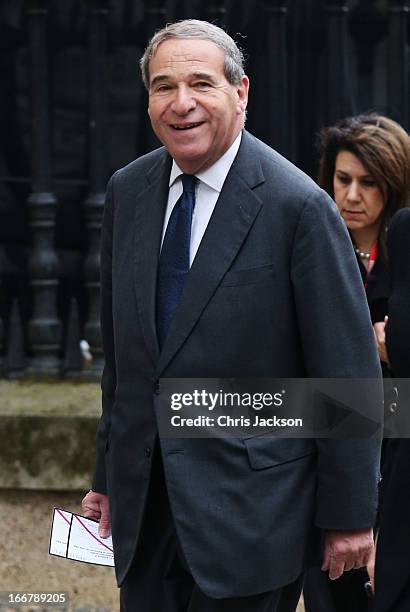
{"x":186,"y":126}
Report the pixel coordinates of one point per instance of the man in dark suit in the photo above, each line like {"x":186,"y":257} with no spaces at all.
{"x":221,"y":259}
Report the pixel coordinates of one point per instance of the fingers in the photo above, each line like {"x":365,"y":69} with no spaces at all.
{"x":336,"y":567}
{"x":336,"y":570}
{"x":334,"y":562}
{"x":95,"y":506}
{"x":344,"y":551}
{"x":370,"y":569}
{"x":91,"y":504}
{"x":91,"y":509}
{"x":364,"y":559}
{"x":326,"y":559}
{"x":379,"y":330}
{"x":367,"y":557}
{"x":104,"y":528}
{"x":380,"y":335}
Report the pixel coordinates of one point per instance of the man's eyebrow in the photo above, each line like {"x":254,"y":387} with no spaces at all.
{"x":203,"y":75}
{"x":159,"y":78}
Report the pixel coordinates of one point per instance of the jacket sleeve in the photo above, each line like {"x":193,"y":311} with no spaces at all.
{"x":338,"y":343}
{"x":109,"y":379}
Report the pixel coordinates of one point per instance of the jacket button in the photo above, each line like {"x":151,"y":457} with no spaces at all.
{"x":147,"y":452}
{"x":156,"y":388}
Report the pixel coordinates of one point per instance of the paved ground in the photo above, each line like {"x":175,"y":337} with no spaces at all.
{"x":25,"y":564}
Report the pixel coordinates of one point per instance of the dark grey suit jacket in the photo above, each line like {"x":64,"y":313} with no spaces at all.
{"x":274,"y":291}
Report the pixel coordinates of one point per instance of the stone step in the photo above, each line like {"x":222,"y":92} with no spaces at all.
{"x":48,"y":434}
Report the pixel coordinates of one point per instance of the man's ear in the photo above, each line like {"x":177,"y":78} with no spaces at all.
{"x":242,"y":91}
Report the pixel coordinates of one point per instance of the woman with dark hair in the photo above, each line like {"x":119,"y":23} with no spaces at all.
{"x":365,"y":167}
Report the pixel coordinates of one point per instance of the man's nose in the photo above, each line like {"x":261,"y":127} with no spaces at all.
{"x":353,"y":193}
{"x":183,"y":101}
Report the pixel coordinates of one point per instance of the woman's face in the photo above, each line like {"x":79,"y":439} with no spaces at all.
{"x":358,"y":198}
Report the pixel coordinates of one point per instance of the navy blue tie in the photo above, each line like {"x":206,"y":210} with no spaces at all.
{"x":174,"y":259}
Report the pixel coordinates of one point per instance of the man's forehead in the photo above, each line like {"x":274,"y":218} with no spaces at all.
{"x":176,"y":51}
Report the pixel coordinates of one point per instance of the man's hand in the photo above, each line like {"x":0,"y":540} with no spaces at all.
{"x":370,"y":567}
{"x":380,"y":335}
{"x":95,"y":506}
{"x":346,"y":550}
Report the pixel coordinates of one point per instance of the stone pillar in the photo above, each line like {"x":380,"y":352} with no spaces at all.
{"x":45,"y":330}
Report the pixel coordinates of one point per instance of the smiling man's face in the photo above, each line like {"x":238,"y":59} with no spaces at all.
{"x":195,"y":112}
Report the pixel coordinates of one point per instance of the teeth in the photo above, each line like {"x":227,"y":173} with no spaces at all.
{"x":185,"y":127}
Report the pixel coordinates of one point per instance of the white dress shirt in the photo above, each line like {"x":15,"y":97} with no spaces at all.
{"x":207,"y":190}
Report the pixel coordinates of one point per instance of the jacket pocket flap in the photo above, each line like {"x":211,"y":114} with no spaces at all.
{"x":267,"y":451}
{"x":248,"y":276}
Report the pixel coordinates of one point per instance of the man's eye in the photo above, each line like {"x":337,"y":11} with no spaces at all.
{"x":202,"y":85}
{"x":162,"y":88}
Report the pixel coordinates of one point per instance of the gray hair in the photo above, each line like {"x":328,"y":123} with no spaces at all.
{"x":194,"y":28}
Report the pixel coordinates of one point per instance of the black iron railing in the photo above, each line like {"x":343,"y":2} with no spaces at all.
{"x":72,"y":102}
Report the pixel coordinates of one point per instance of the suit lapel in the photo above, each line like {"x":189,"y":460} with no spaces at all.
{"x":150,"y":209}
{"x":233,"y":216}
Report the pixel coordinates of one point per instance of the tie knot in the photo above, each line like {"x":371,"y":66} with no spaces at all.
{"x":188,"y":183}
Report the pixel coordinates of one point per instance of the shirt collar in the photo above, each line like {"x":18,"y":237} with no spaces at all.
{"x":215,"y":175}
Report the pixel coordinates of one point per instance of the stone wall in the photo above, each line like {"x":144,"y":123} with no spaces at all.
{"x":47,"y":432}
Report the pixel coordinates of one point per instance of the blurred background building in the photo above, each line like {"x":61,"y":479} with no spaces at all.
{"x":73,"y":109}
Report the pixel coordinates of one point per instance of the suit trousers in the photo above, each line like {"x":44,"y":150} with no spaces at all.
{"x":159,"y":579}
{"x":345,"y":594}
